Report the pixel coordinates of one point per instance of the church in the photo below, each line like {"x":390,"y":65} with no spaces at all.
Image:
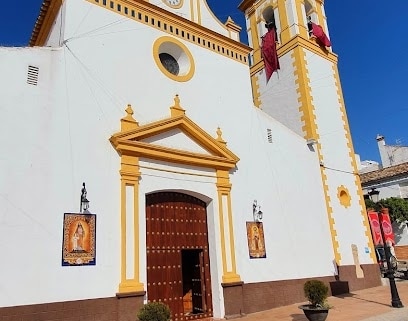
{"x":156,"y":157}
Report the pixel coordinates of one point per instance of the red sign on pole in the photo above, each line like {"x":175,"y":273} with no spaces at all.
{"x":375,"y":227}
{"x":387,"y":227}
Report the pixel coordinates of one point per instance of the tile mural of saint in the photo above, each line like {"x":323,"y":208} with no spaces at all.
{"x":256,"y":240}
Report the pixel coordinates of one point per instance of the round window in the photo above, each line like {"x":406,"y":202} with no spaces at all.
{"x":170,"y":63}
{"x":173,"y":59}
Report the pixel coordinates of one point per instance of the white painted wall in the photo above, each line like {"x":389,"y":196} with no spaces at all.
{"x":279,"y":97}
{"x":49,"y":149}
{"x":337,"y":160}
{"x":57,"y":136}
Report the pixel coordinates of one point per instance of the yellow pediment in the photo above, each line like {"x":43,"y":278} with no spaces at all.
{"x":176,"y":139}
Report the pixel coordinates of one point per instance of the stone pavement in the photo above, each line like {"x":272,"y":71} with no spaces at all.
{"x":372,"y":304}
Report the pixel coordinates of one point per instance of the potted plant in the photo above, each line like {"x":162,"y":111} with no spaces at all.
{"x":154,"y":311}
{"x":316,"y":292}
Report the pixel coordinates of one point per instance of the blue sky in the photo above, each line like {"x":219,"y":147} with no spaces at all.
{"x":368,"y":36}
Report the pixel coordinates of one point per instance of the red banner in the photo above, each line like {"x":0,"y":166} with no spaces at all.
{"x":320,"y":35}
{"x":387,"y":227}
{"x":375,"y":227}
{"x":269,"y":53}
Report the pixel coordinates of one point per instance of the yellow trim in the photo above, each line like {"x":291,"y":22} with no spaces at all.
{"x":343,"y":195}
{"x":310,"y":45}
{"x":255,"y":39}
{"x":130,"y":176}
{"x":304,"y":94}
{"x":301,"y":21}
{"x":127,"y":144}
{"x":307,"y":110}
{"x":156,"y":51}
{"x":321,"y":18}
{"x":224,"y":189}
{"x":290,"y":46}
{"x":44,"y":22}
{"x":353,"y":161}
{"x":176,"y":172}
{"x":180,"y":27}
{"x":245,"y":4}
{"x":284,"y":21}
{"x":192,"y":9}
{"x":295,"y":42}
{"x":177,"y":6}
{"x":199,"y":12}
{"x":256,"y":92}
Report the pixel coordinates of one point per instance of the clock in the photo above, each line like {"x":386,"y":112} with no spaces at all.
{"x":174,"y":3}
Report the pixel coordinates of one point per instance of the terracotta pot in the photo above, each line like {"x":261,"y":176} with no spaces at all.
{"x":314,"y":314}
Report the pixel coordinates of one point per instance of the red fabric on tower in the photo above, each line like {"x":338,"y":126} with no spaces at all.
{"x":269,"y":54}
{"x":320,"y":35}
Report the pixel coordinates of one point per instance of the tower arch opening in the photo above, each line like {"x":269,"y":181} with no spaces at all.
{"x":268,"y":15}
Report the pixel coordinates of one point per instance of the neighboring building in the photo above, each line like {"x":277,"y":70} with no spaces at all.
{"x":391,"y":181}
{"x":391,"y":155}
{"x":184,"y":150}
{"x":391,"y":178}
{"x":367,"y":165}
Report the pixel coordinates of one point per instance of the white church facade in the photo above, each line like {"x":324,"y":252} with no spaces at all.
{"x":211,"y":189}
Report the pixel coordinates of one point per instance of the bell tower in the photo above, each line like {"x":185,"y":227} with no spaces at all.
{"x":305,"y":95}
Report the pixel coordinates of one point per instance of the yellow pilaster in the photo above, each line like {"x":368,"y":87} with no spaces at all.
{"x":283,"y":17}
{"x":226,"y":228}
{"x":255,"y":38}
{"x":301,"y":19}
{"x":322,"y":19}
{"x":130,"y":176}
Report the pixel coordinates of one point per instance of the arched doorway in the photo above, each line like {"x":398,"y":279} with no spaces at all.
{"x":178,"y":265}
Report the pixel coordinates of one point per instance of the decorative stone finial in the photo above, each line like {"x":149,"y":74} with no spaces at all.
{"x":177,"y":110}
{"x":129,"y":111}
{"x":219,"y":136}
{"x":128,"y":122}
{"x":231,"y":25}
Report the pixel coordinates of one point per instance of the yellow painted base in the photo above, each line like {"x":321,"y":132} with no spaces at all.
{"x":130,"y":286}
{"x":231,"y":278}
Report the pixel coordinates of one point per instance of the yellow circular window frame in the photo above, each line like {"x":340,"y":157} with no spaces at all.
{"x":177,"y":6}
{"x":344,"y":196}
{"x":166,"y":40}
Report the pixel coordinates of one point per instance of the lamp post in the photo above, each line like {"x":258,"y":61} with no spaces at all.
{"x":84,"y":205}
{"x":256,"y":212}
{"x":395,"y":299}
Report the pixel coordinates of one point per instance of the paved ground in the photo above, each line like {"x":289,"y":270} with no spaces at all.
{"x":372,"y":304}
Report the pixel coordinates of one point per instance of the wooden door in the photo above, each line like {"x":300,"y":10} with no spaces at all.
{"x":178,"y":265}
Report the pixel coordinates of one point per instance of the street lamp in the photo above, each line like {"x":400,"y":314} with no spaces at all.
{"x":84,"y":205}
{"x":395,"y":300}
{"x":256,"y":212}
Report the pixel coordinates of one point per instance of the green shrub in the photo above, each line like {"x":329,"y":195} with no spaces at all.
{"x":154,"y":311}
{"x":316,"y":292}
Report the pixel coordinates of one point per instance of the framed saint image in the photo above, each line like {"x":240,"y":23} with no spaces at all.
{"x":256,"y":240}
{"x":79,"y":239}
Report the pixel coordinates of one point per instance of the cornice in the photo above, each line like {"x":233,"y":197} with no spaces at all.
{"x":129,"y":142}
{"x":309,"y":44}
{"x":48,"y":12}
{"x":245,"y":4}
{"x":229,"y":47}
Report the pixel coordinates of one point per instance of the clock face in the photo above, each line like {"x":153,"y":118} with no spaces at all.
{"x":174,"y":3}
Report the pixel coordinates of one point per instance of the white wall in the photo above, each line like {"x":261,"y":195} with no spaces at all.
{"x":336,"y":156}
{"x":279,"y":97}
{"x":57,"y":136}
{"x":48,"y":151}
